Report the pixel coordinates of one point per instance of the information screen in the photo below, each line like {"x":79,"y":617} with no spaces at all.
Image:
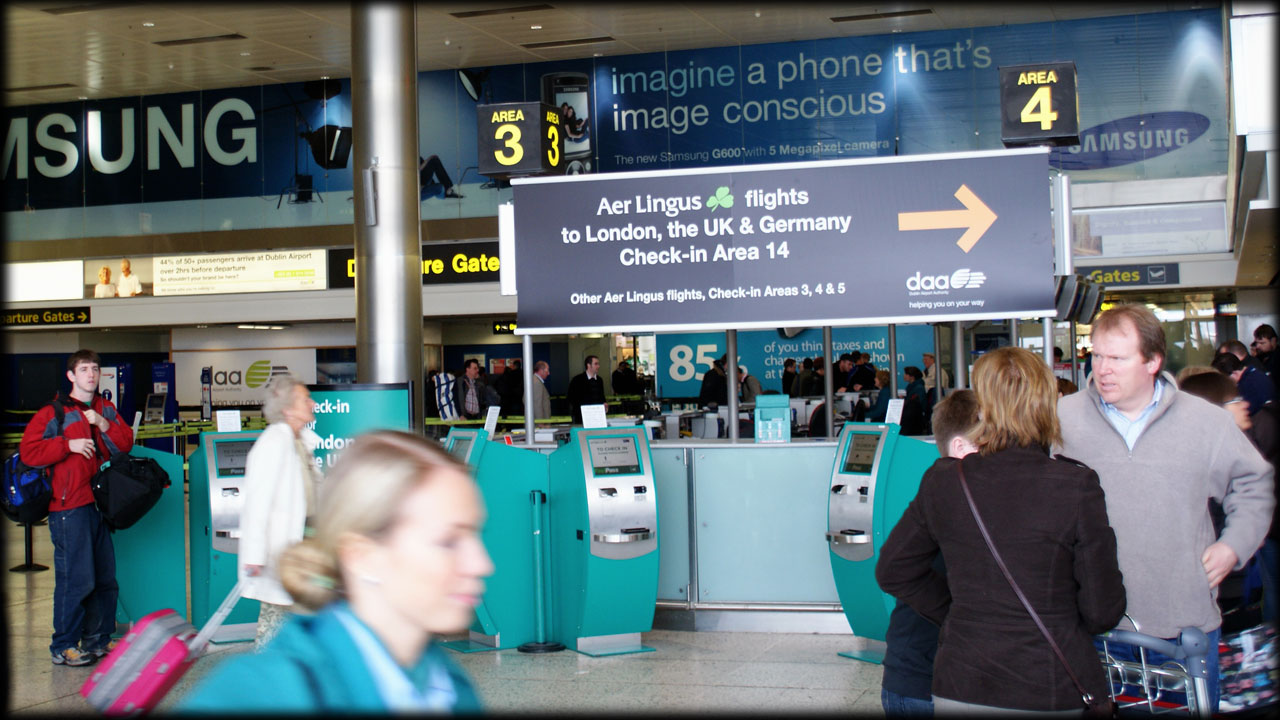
{"x":460,"y":448}
{"x":862,"y":454}
{"x":614,"y":456}
{"x":229,"y":457}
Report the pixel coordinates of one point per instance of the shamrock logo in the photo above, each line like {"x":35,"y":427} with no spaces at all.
{"x":722,"y":198}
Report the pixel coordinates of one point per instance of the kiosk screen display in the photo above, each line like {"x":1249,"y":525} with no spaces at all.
{"x":229,"y":457}
{"x":862,"y":454}
{"x":460,"y":448}
{"x":614,"y":456}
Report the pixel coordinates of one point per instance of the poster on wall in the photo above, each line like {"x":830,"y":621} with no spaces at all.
{"x":239,"y":376}
{"x":122,"y":277}
{"x":217,"y":273}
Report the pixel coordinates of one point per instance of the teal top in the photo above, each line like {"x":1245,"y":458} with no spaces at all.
{"x":331,"y":662}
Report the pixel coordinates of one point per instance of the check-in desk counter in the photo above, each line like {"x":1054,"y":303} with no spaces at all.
{"x":741,"y":532}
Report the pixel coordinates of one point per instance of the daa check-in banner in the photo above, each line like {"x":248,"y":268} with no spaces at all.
{"x":842,"y":242}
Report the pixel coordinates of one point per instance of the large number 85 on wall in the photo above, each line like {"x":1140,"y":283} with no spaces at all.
{"x":520,"y":139}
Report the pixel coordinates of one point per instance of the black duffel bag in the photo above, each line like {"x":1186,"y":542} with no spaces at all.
{"x":126,"y":487}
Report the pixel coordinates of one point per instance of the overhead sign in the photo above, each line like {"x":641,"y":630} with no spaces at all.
{"x":239,"y":377}
{"x":843,"y":242}
{"x":442,"y":264}
{"x":503,"y":328}
{"x":1121,"y":275}
{"x":521,"y":138}
{"x":218,"y":273}
{"x":1038,"y":104}
{"x":47,"y":316}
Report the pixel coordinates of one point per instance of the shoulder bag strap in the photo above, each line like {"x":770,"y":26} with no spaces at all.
{"x":1084,"y":694}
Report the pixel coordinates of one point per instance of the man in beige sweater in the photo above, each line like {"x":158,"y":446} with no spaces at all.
{"x":1161,"y":454}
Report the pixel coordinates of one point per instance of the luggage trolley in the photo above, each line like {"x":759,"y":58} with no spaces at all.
{"x":1178,"y":685}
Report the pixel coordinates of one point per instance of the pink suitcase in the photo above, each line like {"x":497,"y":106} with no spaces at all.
{"x":149,"y":660}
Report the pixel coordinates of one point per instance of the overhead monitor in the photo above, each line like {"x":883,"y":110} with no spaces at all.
{"x":614,"y":455}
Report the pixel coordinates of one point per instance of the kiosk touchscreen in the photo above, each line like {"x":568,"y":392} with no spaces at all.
{"x":604,"y":541}
{"x":508,"y":478}
{"x":875,"y":476}
{"x":216,"y":472}
{"x":155,"y":408}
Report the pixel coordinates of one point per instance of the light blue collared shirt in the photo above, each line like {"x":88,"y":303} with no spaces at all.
{"x":394,"y":685}
{"x":1130,"y":430}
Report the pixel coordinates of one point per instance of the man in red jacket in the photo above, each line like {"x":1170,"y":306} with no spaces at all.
{"x":84,"y":560}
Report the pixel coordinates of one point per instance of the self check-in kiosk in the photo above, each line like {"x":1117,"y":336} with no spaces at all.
{"x":604,"y":541}
{"x":511,"y":480}
{"x":216,"y":472}
{"x":875,"y":476}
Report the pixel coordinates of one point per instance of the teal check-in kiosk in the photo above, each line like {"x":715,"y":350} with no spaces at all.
{"x":151,"y":560}
{"x":216,"y":475}
{"x":876,"y":475}
{"x":604,"y":541}
{"x":513,"y":485}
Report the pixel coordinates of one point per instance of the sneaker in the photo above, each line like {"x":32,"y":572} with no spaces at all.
{"x":73,"y":657}
{"x":450,"y":192}
{"x":99,"y":653}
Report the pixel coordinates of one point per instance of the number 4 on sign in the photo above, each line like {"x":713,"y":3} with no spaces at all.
{"x":1040,"y":109}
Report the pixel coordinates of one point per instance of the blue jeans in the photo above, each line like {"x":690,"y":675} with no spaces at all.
{"x":1126,"y":652}
{"x":85,"y":589}
{"x":896,"y":705}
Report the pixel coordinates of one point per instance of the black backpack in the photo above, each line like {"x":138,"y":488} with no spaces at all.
{"x":28,"y":489}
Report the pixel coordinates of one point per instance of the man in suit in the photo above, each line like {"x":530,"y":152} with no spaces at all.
{"x":586,"y":388}
{"x":540,"y":406}
{"x":469,"y":393}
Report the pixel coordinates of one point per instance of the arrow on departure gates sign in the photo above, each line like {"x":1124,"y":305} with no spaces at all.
{"x":976,"y":217}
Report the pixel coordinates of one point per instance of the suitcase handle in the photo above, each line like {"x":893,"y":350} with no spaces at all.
{"x":202,"y":638}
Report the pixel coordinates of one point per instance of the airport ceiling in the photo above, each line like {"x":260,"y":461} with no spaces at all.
{"x":65,"y":51}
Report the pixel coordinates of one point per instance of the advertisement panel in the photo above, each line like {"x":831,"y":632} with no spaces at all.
{"x":345,"y":411}
{"x":239,"y":376}
{"x":683,"y":358}
{"x":841,"y":242}
{"x":216,"y":273}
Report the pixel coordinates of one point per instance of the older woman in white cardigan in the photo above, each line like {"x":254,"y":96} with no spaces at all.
{"x":279,"y":491}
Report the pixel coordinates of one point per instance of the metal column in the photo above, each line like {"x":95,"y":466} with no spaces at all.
{"x":959,"y":370}
{"x":1013,"y":332}
{"x":1048,"y":341}
{"x":937,"y":365}
{"x":527,"y":346}
{"x":731,"y":375}
{"x":893,"y":361}
{"x":828,"y":382}
{"x":388,"y":247}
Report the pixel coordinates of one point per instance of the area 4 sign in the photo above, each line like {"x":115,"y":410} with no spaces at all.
{"x":1038,"y":104}
{"x":519,"y":139}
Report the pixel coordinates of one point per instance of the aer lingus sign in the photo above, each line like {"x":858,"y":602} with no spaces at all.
{"x":842,"y":242}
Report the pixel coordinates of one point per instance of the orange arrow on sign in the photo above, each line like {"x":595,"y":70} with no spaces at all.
{"x":976,"y":216}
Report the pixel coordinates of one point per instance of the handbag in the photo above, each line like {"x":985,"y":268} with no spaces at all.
{"x":126,"y":487}
{"x":1094,"y":707}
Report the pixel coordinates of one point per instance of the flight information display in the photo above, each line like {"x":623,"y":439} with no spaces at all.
{"x":229,"y":457}
{"x":614,"y":456}
{"x":862,"y":454}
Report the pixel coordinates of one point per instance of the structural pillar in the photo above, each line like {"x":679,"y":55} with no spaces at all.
{"x":828,"y":381}
{"x":388,"y":246}
{"x":731,"y":377}
{"x":893,"y":361}
{"x":526,"y":343}
{"x":959,"y":370}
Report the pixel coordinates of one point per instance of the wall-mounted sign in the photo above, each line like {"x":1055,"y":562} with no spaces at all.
{"x":345,"y":411}
{"x":1176,"y":229}
{"x":47,"y":316}
{"x":840,"y":242}
{"x":35,"y":281}
{"x":239,"y":377}
{"x":521,"y":138}
{"x":1114,"y":276}
{"x":442,"y":264}
{"x":270,"y":271}
{"x":1038,"y":104}
{"x":503,"y":328}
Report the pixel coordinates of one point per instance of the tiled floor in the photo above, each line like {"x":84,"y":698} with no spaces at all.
{"x":690,"y":672}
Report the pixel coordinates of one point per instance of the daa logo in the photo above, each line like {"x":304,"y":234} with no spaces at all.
{"x":962,"y":279}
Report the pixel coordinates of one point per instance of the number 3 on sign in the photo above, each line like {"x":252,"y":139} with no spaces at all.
{"x":509,"y":134}
{"x":1040,"y":109}
{"x":553,"y":153}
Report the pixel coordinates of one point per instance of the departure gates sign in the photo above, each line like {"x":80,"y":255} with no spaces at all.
{"x":842,"y":242}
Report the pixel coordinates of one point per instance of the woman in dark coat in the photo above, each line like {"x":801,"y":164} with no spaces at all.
{"x":1047,"y":518}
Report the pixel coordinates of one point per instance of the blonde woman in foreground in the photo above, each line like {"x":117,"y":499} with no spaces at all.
{"x":396,"y":560}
